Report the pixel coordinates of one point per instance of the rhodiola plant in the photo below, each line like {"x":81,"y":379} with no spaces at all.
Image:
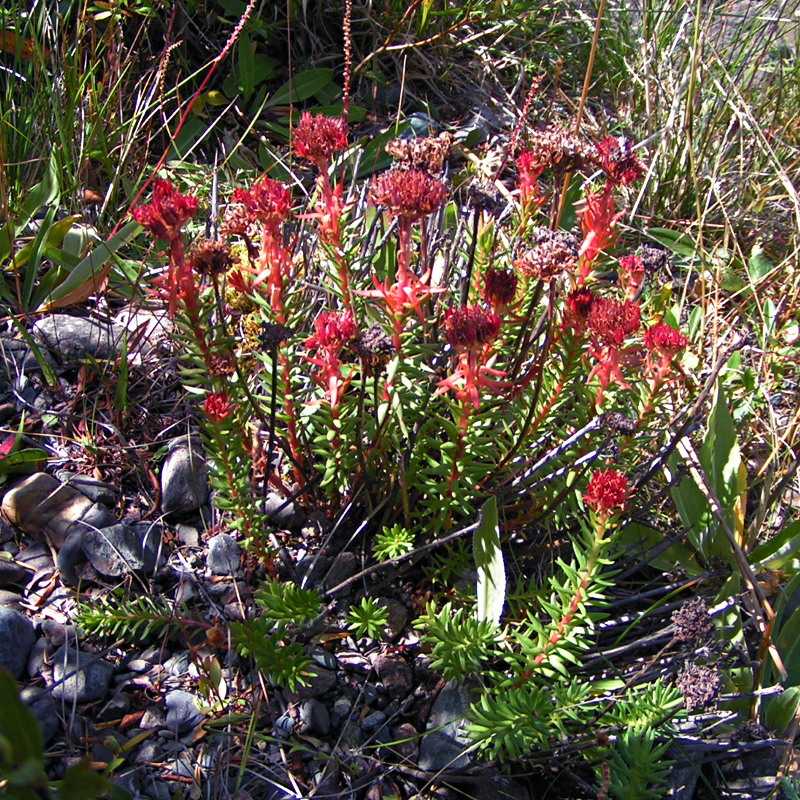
{"x":393,"y":357}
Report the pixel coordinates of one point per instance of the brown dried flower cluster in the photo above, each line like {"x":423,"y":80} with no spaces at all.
{"x":700,"y":685}
{"x":692,"y":621}
{"x":423,"y":153}
{"x":238,"y":221}
{"x":557,"y":149}
{"x":210,"y":257}
{"x":551,"y":254}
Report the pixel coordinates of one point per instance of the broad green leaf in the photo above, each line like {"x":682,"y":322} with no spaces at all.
{"x":781,"y":551}
{"x":680,"y":243}
{"x":491,"y":590}
{"x":780,"y":711}
{"x":81,"y":782}
{"x":90,"y":271}
{"x":759,"y":265}
{"x":300,"y":88}
{"x":246,"y":66}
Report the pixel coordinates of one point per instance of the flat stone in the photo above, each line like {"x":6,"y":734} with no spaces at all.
{"x":396,"y":619}
{"x":36,"y":556}
{"x":74,"y":338}
{"x":345,"y":566}
{"x":283,"y":513}
{"x":96,"y":490}
{"x":11,"y":599}
{"x":47,"y":509}
{"x":395,"y":674}
{"x":320,"y":681}
{"x":445,"y":743}
{"x":44,"y":709}
{"x":16,"y":640}
{"x":314,"y":715}
{"x":88,"y":676}
{"x":121,"y":549}
{"x":12,"y":572}
{"x":224,"y":555}
{"x":184,"y":477}
{"x":404,"y":744}
{"x":183,"y":712}
{"x":70,"y":556}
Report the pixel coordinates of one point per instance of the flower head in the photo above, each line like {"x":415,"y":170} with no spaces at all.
{"x":632,"y":274}
{"x":612,"y":322}
{"x":218,"y":406}
{"x":607,"y":491}
{"x":551,"y":254}
{"x":268,"y":201}
{"x":210,"y":257}
{"x":554,"y":148}
{"x":617,"y":159}
{"x":426,"y":153}
{"x":168,"y":213}
{"x":410,"y":194}
{"x":665,"y":341}
{"x":470,"y":328}
{"x":317,"y":138}
{"x":499,"y":288}
{"x":333,"y":330}
{"x":599,"y":217}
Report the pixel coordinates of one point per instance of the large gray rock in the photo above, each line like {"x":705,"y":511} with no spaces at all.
{"x":16,"y":640}
{"x":79,"y":676}
{"x":184,"y":477}
{"x":183,"y":711}
{"x":445,"y":743}
{"x":121,"y":549}
{"x":45,"y":508}
{"x":73,"y":338}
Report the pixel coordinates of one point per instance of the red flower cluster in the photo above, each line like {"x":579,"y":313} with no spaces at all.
{"x":632,"y":273}
{"x":579,"y":305}
{"x":333,"y":331}
{"x":318,"y":137}
{"x":499,"y":288}
{"x":599,"y":217}
{"x":410,"y":194}
{"x":470,"y":331}
{"x":168,"y":213}
{"x":217,"y":406}
{"x":470,"y":328}
{"x":269,"y":201}
{"x":607,"y":491}
{"x":618,"y":161}
{"x":665,"y":340}
{"x":612,"y":322}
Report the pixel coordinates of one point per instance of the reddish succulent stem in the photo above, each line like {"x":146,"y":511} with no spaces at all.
{"x":562,"y":626}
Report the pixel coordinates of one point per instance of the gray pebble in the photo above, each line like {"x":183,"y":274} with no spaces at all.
{"x":373,"y":721}
{"x":121,"y":549}
{"x":183,"y":712}
{"x":44,"y":708}
{"x":395,"y":674}
{"x":224,"y":555}
{"x":11,"y":572}
{"x":86,"y":677}
{"x":314,"y":715}
{"x":73,"y":338}
{"x":184,"y":477}
{"x":16,"y":640}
